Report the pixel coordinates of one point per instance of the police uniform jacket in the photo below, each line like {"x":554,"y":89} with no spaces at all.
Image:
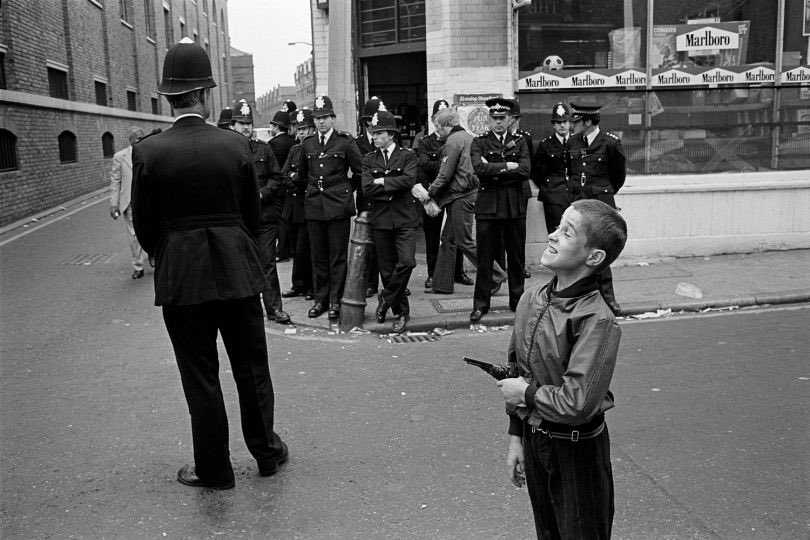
{"x":365,"y":146}
{"x":269,"y":176}
{"x":551,"y":169}
{"x":428,"y":154}
{"x":196,"y":210}
{"x":391,"y":205}
{"x":329,"y":193}
{"x":281,"y":144}
{"x":501,"y":193}
{"x":597,"y":170}
{"x":296,"y":188}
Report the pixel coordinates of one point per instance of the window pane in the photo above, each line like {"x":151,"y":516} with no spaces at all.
{"x":155,"y":107}
{"x":67,"y":147}
{"x":411,"y":20}
{"x":8,"y":151}
{"x":377,"y":22}
{"x":131,"y":103}
{"x":2,"y":70}
{"x":108,"y":145}
{"x":57,"y":82}
{"x":101,"y":93}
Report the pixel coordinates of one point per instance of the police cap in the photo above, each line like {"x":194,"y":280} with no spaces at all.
{"x":373,"y":105}
{"x":281,"y":118}
{"x":304,"y":118}
{"x":323,"y":107}
{"x":438,"y":105}
{"x":499,"y":107}
{"x":242,"y":112}
{"x":225,"y":117}
{"x":584,"y":112}
{"x":560,"y":113}
{"x":186,"y":67}
{"x":383,"y":120}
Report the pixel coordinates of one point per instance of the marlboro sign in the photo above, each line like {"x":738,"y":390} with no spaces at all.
{"x":707,"y":38}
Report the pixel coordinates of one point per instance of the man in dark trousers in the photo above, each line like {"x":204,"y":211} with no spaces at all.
{"x":428,"y":153}
{"x":501,"y":162}
{"x":365,"y":143}
{"x":269,"y":175}
{"x":326,"y":158}
{"x":294,"y":213}
{"x":597,"y":172}
{"x":551,"y":168}
{"x":196,"y":210}
{"x":389,"y":173}
{"x":280,"y":143}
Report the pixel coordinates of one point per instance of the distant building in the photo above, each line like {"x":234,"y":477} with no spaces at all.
{"x":270,"y":102}
{"x":305,"y":83}
{"x":75,"y":75}
{"x":243,"y":85}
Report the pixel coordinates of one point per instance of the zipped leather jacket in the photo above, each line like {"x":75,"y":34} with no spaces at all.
{"x":565,"y":344}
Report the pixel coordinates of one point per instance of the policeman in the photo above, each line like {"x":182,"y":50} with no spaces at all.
{"x":428,"y":153}
{"x":365,"y":142}
{"x":515,"y":129}
{"x":389,"y":174}
{"x":502,"y":164}
{"x":281,"y":142}
{"x":597,"y":172}
{"x":196,"y":210}
{"x":269,"y":175}
{"x":325,"y":161}
{"x":551,"y":168}
{"x":293,"y":213}
{"x":225,"y":116}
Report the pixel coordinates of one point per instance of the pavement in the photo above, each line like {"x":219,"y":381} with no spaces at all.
{"x":644,"y":287}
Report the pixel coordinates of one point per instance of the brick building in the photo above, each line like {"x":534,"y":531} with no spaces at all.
{"x":242,"y":83}
{"x":271,"y":101}
{"x":74,"y":76}
{"x":305,"y":83}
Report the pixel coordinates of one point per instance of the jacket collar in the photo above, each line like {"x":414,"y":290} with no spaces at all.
{"x":580,"y":288}
{"x":189,"y":119}
{"x":455,"y":129}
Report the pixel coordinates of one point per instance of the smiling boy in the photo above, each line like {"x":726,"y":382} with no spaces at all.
{"x":562,"y":355}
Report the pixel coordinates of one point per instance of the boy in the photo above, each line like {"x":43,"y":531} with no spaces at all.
{"x":562,"y":354}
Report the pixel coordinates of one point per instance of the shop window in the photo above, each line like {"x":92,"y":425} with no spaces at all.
{"x":8,"y":151}
{"x":391,"y":22}
{"x":108,"y":144}
{"x":57,"y":83}
{"x":131,"y":101}
{"x":101,"y":93}
{"x":557,"y":35}
{"x":67,"y":147}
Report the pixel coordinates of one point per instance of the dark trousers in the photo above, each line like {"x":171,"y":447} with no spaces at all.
{"x":374,"y":273}
{"x":302,"y":262}
{"x":570,"y":486}
{"x":285,"y":245}
{"x":193,"y":332}
{"x":396,"y":258}
{"x":432,"y":227}
{"x":266,"y":239}
{"x":488,"y":236}
{"x":329,"y":246}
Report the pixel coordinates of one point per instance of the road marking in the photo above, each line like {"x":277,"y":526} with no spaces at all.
{"x":749,"y":310}
{"x":60,"y":217}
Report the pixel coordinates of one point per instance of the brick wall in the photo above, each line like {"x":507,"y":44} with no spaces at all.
{"x":320,"y":40}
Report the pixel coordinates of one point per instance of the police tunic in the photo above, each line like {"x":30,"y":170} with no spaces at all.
{"x":550,"y":172}
{"x":597,"y":170}
{"x":500,"y":194}
{"x":329,"y":193}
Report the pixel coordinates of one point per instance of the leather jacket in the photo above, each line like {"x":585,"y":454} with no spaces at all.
{"x":565,"y":344}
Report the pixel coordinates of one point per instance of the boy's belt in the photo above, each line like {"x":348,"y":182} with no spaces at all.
{"x":572,"y":433}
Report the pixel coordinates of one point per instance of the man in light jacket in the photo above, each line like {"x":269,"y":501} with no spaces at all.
{"x":120,"y":196}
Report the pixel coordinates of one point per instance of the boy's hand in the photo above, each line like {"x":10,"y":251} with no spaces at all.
{"x":514,"y":391}
{"x":514,"y":461}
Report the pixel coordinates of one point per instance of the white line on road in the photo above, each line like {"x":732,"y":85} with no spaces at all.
{"x":750,"y":310}
{"x":51,"y":221}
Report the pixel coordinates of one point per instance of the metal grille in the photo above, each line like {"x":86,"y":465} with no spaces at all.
{"x":417,"y":338}
{"x":87,"y":259}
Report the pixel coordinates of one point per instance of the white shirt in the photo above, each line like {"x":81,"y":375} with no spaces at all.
{"x":325,"y":136}
{"x":561,"y":139}
{"x":390,"y":150}
{"x":592,"y":135}
{"x":189,"y":114}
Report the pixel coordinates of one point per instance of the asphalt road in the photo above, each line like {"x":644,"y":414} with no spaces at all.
{"x":710,"y":432}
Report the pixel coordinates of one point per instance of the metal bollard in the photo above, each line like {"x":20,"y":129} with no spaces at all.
{"x":353,"y":303}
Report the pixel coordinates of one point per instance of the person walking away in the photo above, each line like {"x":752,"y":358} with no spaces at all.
{"x":502,"y":164}
{"x":196,"y":208}
{"x":121,"y":196}
{"x":561,"y":361}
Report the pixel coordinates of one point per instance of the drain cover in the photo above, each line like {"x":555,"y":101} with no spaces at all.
{"x":87,"y":259}
{"x":416,"y":338}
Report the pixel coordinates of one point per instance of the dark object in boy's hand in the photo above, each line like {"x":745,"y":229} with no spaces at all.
{"x":498,"y":372}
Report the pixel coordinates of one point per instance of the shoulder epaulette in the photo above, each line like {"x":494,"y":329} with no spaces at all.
{"x":524,"y":132}
{"x":609,"y":134}
{"x":548,"y":138}
{"x":308,"y":137}
{"x":405,"y":149}
{"x":369,"y":153}
{"x":345,"y":134}
{"x":485,"y":134}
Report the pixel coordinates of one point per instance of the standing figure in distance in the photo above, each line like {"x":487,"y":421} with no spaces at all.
{"x":281,"y":142}
{"x":121,"y":196}
{"x":326,"y":158}
{"x":598,"y":171}
{"x":551,"y":168}
{"x":389,"y":174}
{"x":196,"y":209}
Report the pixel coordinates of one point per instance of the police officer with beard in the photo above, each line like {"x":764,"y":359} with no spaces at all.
{"x":269,"y":174}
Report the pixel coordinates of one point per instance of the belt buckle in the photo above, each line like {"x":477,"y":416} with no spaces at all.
{"x":320,"y":185}
{"x":574,"y":436}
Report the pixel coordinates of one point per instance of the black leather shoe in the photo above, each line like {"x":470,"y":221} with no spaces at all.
{"x":188,"y":476}
{"x":614,"y":307}
{"x":273,"y":469}
{"x":371,"y":291}
{"x":401,"y":323}
{"x":476,"y":315}
{"x":380,"y":312}
{"x":316,"y":310}
{"x":334,"y":311}
{"x":527,"y":274}
{"x":280,"y":316}
{"x":137,"y":274}
{"x":434,"y":291}
{"x":310,"y":295}
{"x":282,"y":259}
{"x":292,"y":293}
{"x":429,"y":283}
{"x":464,"y":279}
{"x":407,"y":291}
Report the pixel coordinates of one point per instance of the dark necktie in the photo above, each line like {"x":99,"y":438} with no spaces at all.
{"x":385,"y":156}
{"x":323,"y":141}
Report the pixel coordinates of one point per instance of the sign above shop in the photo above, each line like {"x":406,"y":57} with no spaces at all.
{"x":706,"y":39}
